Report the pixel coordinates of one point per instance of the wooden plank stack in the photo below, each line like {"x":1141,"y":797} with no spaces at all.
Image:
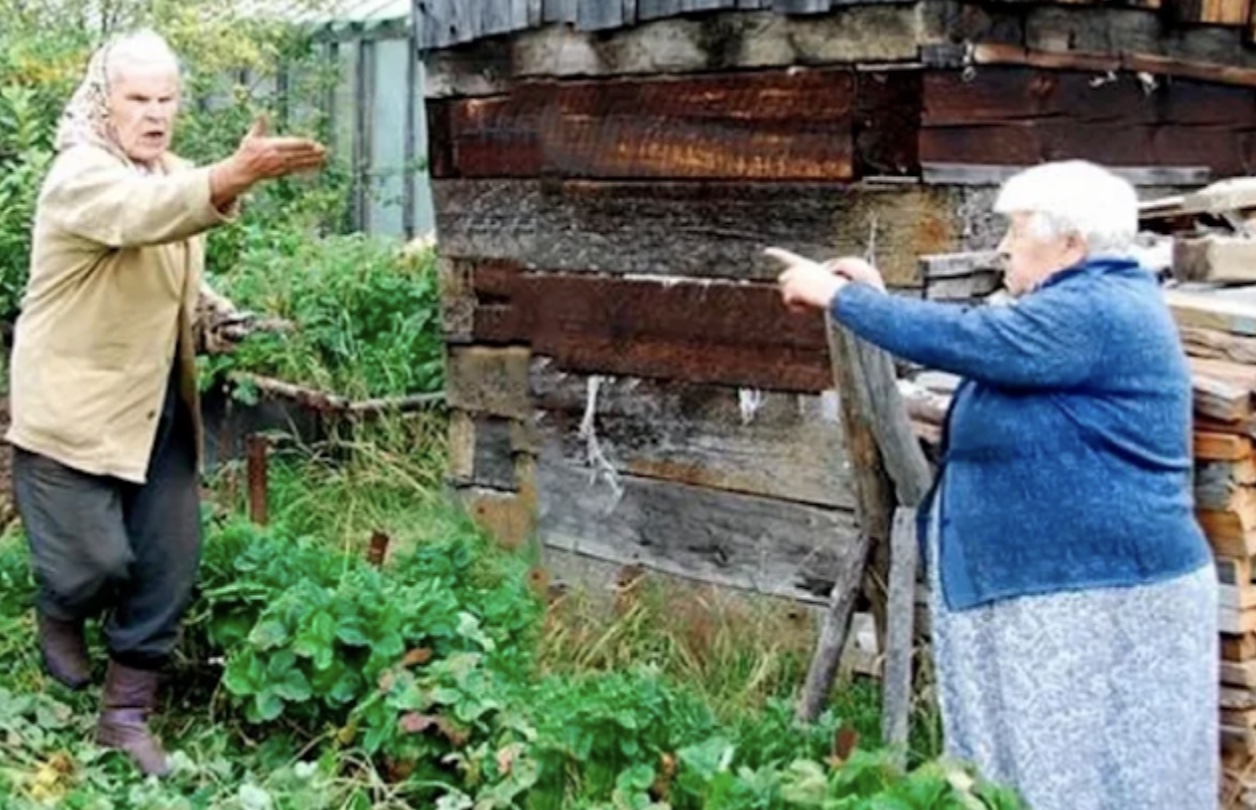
{"x":1224,"y":381}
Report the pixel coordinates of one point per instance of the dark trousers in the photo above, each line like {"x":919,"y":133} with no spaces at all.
{"x":101,"y":544}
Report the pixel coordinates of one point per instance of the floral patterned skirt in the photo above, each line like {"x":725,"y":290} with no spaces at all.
{"x":1103,"y":699}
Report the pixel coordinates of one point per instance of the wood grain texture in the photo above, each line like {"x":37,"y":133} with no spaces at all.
{"x":875,"y":502}
{"x":1215,"y":258}
{"x":760,"y":544}
{"x":706,"y":331}
{"x":482,"y":452}
{"x":489,"y":380}
{"x":1218,"y":345}
{"x":775,"y":125}
{"x":785,"y":446}
{"x":1222,"y":486}
{"x":1025,"y":116}
{"x":1220,"y":311}
{"x":1134,"y":33}
{"x":897,"y":686}
{"x":1238,"y":648}
{"x":1212,"y":446}
{"x":1212,"y":12}
{"x":1157,"y":67}
{"x":692,"y":229}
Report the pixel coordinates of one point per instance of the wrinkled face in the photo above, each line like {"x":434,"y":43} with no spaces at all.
{"x":143,"y":101}
{"x":1029,"y":259}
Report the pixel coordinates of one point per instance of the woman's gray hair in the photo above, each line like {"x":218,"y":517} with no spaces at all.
{"x":143,"y":47}
{"x":1075,"y":198}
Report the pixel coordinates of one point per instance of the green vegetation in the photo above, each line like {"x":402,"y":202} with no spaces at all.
{"x":308,"y":678}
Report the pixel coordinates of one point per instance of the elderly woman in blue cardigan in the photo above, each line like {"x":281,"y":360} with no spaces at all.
{"x":1074,"y":596}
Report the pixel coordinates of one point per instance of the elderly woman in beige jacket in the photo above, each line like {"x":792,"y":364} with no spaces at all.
{"x":106,"y":427}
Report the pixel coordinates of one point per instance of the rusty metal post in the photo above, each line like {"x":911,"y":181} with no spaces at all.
{"x":378,"y":550}
{"x":258,"y":453}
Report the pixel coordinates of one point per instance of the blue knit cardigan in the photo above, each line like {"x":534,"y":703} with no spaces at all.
{"x":1067,"y":448}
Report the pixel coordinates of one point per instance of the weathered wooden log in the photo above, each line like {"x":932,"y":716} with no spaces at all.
{"x":1024,"y":116}
{"x":699,"y":330}
{"x":766,"y":443}
{"x":776,"y":125}
{"x":691,"y":230}
{"x":766,"y":545}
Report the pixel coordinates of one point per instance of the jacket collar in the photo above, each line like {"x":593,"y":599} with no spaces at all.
{"x":1094,"y":265}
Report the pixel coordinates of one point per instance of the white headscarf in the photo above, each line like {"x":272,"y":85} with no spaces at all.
{"x":85,"y":120}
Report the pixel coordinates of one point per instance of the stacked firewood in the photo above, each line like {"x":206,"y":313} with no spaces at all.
{"x":1218,"y":332}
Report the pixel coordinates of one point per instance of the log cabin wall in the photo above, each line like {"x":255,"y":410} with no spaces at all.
{"x":624,"y":382}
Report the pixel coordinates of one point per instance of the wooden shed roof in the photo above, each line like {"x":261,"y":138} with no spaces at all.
{"x":444,"y":23}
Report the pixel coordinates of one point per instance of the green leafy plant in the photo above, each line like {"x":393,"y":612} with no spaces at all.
{"x":366,"y":316}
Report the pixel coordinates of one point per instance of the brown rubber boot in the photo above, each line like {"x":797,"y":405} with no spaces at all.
{"x":64,"y":651}
{"x":128,"y":698}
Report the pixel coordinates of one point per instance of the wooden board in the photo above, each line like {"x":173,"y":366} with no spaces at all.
{"x":1240,"y":741}
{"x":1231,"y":534}
{"x":741,"y":541}
{"x":866,"y":33}
{"x":483,"y":449}
{"x":1223,"y":486}
{"x":1023,"y":116}
{"x":1237,"y":622}
{"x":1238,"y":648}
{"x":987,"y":174}
{"x":1233,"y":570}
{"x":1239,"y":674}
{"x":774,"y":125}
{"x":1215,"y":258}
{"x":1237,"y":597}
{"x":692,"y":229}
{"x":1140,"y":37}
{"x":706,"y":331}
{"x":1239,"y":719}
{"x":489,"y":380}
{"x":1235,"y":699}
{"x":1213,"y":310}
{"x":1212,"y":12}
{"x":1222,"y":390}
{"x":1155,"y":68}
{"x":786,"y":446}
{"x":1218,"y":345}
{"x":1209,"y":446}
